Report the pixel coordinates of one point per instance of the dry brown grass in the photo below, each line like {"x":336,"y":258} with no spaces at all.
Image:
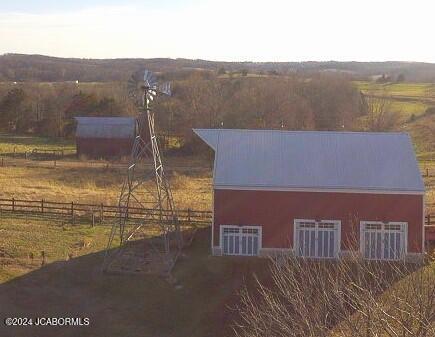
{"x":430,"y":195}
{"x":429,"y":184}
{"x":422,"y":132}
{"x":97,"y":185}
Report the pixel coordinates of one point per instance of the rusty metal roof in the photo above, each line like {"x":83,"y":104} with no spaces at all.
{"x":105,"y":127}
{"x":313,"y":160}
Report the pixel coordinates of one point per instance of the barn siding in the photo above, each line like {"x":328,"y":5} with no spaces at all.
{"x":276,"y":211}
{"x":104,"y":147}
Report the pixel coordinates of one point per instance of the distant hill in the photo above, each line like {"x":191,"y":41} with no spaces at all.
{"x":18,"y":67}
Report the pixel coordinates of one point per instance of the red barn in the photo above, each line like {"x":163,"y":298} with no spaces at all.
{"x":316,"y":194}
{"x":102,"y":137}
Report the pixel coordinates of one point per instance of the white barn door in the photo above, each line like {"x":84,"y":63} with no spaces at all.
{"x":241,"y":240}
{"x":317,"y":239}
{"x":383,"y":241}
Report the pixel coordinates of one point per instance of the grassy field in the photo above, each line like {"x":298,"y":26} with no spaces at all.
{"x":407,"y":99}
{"x":117,"y":305}
{"x":98,"y":185}
{"x":18,"y":143}
{"x":404,"y":89}
{"x":410,"y":101}
{"x":23,"y":241}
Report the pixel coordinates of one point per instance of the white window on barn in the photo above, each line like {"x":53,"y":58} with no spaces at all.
{"x":383,"y":241}
{"x":240,"y":240}
{"x":317,"y":239}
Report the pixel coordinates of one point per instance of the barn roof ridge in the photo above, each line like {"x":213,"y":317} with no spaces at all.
{"x":309,"y":131}
{"x":105,"y":118}
{"x":105,"y":127}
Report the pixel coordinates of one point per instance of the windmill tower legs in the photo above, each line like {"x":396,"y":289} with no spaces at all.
{"x":150,"y":244}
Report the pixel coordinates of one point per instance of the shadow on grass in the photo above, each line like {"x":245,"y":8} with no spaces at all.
{"x":130,"y":305}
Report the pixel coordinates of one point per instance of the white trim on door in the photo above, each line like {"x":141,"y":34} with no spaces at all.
{"x":241,"y":240}
{"x":376,"y":240}
{"x":332,"y":229}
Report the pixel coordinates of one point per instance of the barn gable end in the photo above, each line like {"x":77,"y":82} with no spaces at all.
{"x":105,"y":136}
{"x":274,"y":189}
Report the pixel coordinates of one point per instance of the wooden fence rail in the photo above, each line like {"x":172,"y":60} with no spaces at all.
{"x":74,"y":210}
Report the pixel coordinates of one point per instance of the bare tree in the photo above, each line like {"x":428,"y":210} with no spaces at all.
{"x":346,"y":298}
{"x":379,"y":112}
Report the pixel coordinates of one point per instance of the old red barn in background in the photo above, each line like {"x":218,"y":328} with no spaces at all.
{"x":100,"y":137}
{"x":316,"y":194}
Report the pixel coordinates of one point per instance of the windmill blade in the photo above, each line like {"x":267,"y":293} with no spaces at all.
{"x":135,"y":84}
{"x":165,"y":88}
{"x":150,"y":79}
{"x":142,"y":87}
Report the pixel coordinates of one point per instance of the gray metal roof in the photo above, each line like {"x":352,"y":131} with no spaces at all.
{"x":313,"y":160}
{"x":105,"y":127}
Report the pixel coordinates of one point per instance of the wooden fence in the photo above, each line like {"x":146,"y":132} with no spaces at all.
{"x":97,"y":213}
{"x":74,"y":163}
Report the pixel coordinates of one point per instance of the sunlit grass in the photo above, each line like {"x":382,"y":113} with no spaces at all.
{"x":406,"y":89}
{"x":97,"y":185}
{"x":23,"y":241}
{"x":10,"y":144}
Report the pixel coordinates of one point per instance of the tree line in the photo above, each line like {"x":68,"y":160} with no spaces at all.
{"x":19,"y":67}
{"x":320,"y":102}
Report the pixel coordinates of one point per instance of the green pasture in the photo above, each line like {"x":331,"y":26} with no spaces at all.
{"x":422,"y":90}
{"x":11,"y":143}
{"x":407,"y":99}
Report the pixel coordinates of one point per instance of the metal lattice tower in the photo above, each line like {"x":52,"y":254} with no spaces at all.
{"x":150,"y":244}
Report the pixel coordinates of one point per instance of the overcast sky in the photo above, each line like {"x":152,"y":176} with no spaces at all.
{"x":228,"y":30}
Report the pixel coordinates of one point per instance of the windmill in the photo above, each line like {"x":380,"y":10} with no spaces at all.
{"x":153,"y":242}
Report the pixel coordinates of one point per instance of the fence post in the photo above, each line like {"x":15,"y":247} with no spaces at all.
{"x":428,"y":220}
{"x":427,"y":172}
{"x":13,"y":204}
{"x":93,"y":219}
{"x":188,"y":215}
{"x":43,"y":258}
{"x":42,"y":205}
{"x":72,"y":212}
